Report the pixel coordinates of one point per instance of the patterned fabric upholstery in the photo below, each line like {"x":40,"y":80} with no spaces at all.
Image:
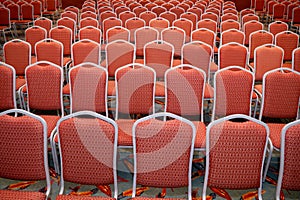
{"x":63,"y":35}
{"x":200,"y":134}
{"x":280,"y":87}
{"x":288,"y":41}
{"x":143,"y":36}
{"x":33,"y":35}
{"x":291,"y":175}
{"x":6,"y":88}
{"x":21,"y":195}
{"x":87,"y":150}
{"x":22,"y":148}
{"x":125,"y":132}
{"x":50,"y":50}
{"x":155,"y":139}
{"x":51,"y":121}
{"x":85,"y":51}
{"x":235,"y":146}
{"x":259,"y":38}
{"x":275,"y":134}
{"x":176,"y":37}
{"x":232,"y":54}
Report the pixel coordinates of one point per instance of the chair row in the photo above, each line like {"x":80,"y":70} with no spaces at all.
{"x":96,"y":138}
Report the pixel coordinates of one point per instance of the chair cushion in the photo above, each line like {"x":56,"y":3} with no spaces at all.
{"x":125,"y":132}
{"x":208,"y":92}
{"x":21,"y":195}
{"x":51,"y":121}
{"x":275,"y":133}
{"x":200,"y":134}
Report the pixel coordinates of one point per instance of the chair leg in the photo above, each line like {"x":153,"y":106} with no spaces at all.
{"x":268,"y":160}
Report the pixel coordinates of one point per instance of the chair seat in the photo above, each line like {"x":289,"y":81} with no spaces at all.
{"x":125,"y":132}
{"x":160,"y":89}
{"x":200,"y":134}
{"x":21,"y":195}
{"x":139,"y":60}
{"x":275,"y":133}
{"x":176,"y":62}
{"x":71,"y":197}
{"x":66,"y":60}
{"x":51,"y":121}
{"x":258,"y":88}
{"x":287,"y":65}
{"x":213,"y":67}
{"x":33,"y":59}
{"x":20,"y":82}
{"x":66,"y":89}
{"x":111,"y":88}
{"x":208,"y":92}
{"x":216,"y":50}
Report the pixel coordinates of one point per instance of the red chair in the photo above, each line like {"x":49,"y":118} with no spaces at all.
{"x":229,"y":24}
{"x":257,"y":39}
{"x":277,"y":27}
{"x":251,"y":27}
{"x":91,"y":33}
{"x":68,"y":23}
{"x":85,"y":50}
{"x":147,"y":16}
{"x":88,"y":21}
{"x":232,"y":35}
{"x":132,"y":25}
{"x":296,"y":59}
{"x":288,"y":41}
{"x":175,"y":36}
{"x":8,"y":88}
{"x":5,"y":24}
{"x":142,"y":36}
{"x":33,"y":35}
{"x":50,"y":50}
{"x":44,"y":23}
{"x":232,"y":54}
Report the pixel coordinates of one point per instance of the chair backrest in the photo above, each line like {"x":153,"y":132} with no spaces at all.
{"x":117,"y":33}
{"x":245,"y":12}
{"x":177,"y":11}
{"x":204,"y":35}
{"x":50,"y":50}
{"x":105,"y":15}
{"x":5,"y":17}
{"x":63,"y":35}
{"x":44,"y":23}
{"x":88,"y":21}
{"x":147,"y":16}
{"x":138,"y":10}
{"x":14,"y":11}
{"x":229,"y":24}
{"x":289,"y":155}
{"x":296,"y":59}
{"x":196,"y":11}
{"x":69,"y":23}
{"x":109,"y":23}
{"x":27,"y":11}
{"x":277,"y":27}
{"x":124,"y":16}
{"x":73,"y":9}
{"x":232,"y":54}
{"x":95,"y":136}
{"x":290,"y":9}
{"x":266,"y":58}
{"x":208,"y":24}
{"x":210,"y":15}
{"x":288,"y":41}
{"x":175,"y":36}
{"x":168,"y":15}
{"x":232,"y":35}
{"x":278,"y":11}
{"x":51,"y":5}
{"x":91,"y":33}
{"x":159,"y":56}
{"x":233,"y":92}
{"x":88,"y":83}
{"x":135,"y":89}
{"x":259,"y":38}
{"x":86,"y":50}
{"x":228,"y":16}
{"x":118,"y":54}
{"x":88,"y":8}
{"x":186,"y":25}
{"x":44,"y":81}
{"x":88,"y":14}
{"x":230,"y":140}
{"x":296,"y":15}
{"x":197,"y":54}
{"x":182,"y":81}
{"x":23,"y":50}
{"x":159,"y":24}
{"x":22,"y":159}
{"x":33,"y":35}
{"x":279,"y":85}
{"x":250,"y":27}
{"x":191,"y":17}
{"x":132,"y":25}
{"x":158,"y":10}
{"x":142,"y":36}
{"x":121,"y":9}
{"x":8,"y":87}
{"x":69,"y":14}
{"x":176,"y":136}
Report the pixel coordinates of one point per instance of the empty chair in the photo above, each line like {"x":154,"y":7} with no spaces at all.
{"x":159,"y":24}
{"x":98,"y":165}
{"x":88,"y":21}
{"x":135,"y":88}
{"x":229,"y":24}
{"x":22,"y":159}
{"x":288,"y":41}
{"x":5,"y":22}
{"x":186,"y":25}
{"x":8,"y":87}
{"x":91,"y":33}
{"x":146,"y":132}
{"x":208,"y":24}
{"x":192,"y":17}
{"x":228,"y":16}
{"x":230,"y":140}
{"x":296,"y":59}
{"x":147,"y":16}
{"x":232,"y":35}
{"x":109,"y":23}
{"x":277,"y":27}
{"x":175,"y":36}
{"x":33,"y":35}
{"x":44,"y":23}
{"x":86,"y":14}
{"x":117,"y":33}
{"x":232,"y":54}
{"x":132,"y":25}
{"x":289,"y":156}
{"x":249,"y":17}
{"x":205,"y":35}
{"x":170,"y":16}
{"x":257,"y":39}
{"x":86,"y":50}
{"x":69,"y":23}
{"x":124,"y":16}
{"x":71,"y":15}
{"x":144,"y":35}
{"x":50,"y":50}
{"x":251,"y":27}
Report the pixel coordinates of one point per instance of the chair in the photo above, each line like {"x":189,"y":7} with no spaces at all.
{"x":208,"y":24}
{"x":177,"y":11}
{"x":181,"y":133}
{"x":117,"y":33}
{"x":228,"y":16}
{"x":132,"y":25}
{"x":27,"y":15}
{"x":135,"y":89}
{"x":277,"y":27}
{"x":159,"y":24}
{"x":147,"y":16}
{"x":121,"y":9}
{"x":8,"y":87}
{"x":142,"y":36}
{"x":266,"y":58}
{"x":175,"y":36}
{"x":44,"y":23}
{"x":288,"y":41}
{"x":191,"y":17}
{"x":91,"y":33}
{"x":211,"y":16}
{"x":196,"y":11}
{"x":250,"y":27}
{"x":71,"y":15}
{"x":232,"y":54}
{"x":88,"y":21}
{"x":278,"y":12}
{"x":124,"y":16}
{"x":63,"y":35}
{"x":88,"y":8}
{"x":233,"y":92}
{"x":51,"y":8}
{"x":69,"y":23}
{"x":109,"y":23}
{"x":205,"y":35}
{"x":86,"y":14}
{"x":85,"y":50}
{"x":227,"y":142}
{"x":186,"y":25}
{"x":245,"y":12}
{"x":5,"y":23}
{"x":73,"y":9}
{"x":20,"y":159}
{"x":138,"y":10}
{"x":296,"y":18}
{"x":98,"y":165}
{"x":33,"y":35}
{"x":232,"y":35}
{"x":257,"y":39}
{"x":44,"y":81}
{"x":289,"y":156}
{"x":170,"y":16}
{"x":296,"y":59}
{"x":158,"y":10}
{"x":229,"y":24}
{"x":50,"y":50}
{"x":286,"y":83}
{"x":105,"y":15}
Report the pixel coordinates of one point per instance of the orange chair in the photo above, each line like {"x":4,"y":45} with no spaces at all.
{"x":296,"y":18}
{"x":277,"y":27}
{"x":105,"y":15}
{"x":124,"y":16}
{"x":50,"y":50}
{"x":232,"y":35}
{"x":121,"y":9}
{"x":5,"y":22}
{"x":117,"y":33}
{"x":71,"y":15}
{"x":99,"y":131}
{"x":85,"y":50}
{"x":230,"y":10}
{"x":170,"y":16}
{"x":207,"y":36}
{"x":196,"y":11}
{"x":175,"y":36}
{"x":73,"y":9}
{"x":158,"y":10}
{"x":192,"y":17}
{"x":177,"y":11}
{"x":170,"y":132}
{"x":159,"y":24}
{"x":88,"y":21}
{"x":138,"y":10}
{"x":8,"y":88}
{"x":44,"y":23}
{"x":186,"y":25}
{"x":251,"y":27}
{"x":33,"y":35}
{"x":69,"y":23}
{"x":233,"y":92}
{"x":86,"y":14}
{"x":27,"y":16}
{"x":147,"y":16}
{"x":289,"y":156}
{"x":144,"y":35}
{"x":208,"y":24}
{"x":135,"y":88}
{"x":20,"y":159}
{"x":228,"y":16}
{"x":37,"y":8}
{"x":288,"y":41}
{"x":211,"y":16}
{"x":91,"y":33}
{"x":88,"y":8}
{"x":232,"y":54}
{"x":296,"y":59}
{"x":132,"y":25}
{"x":257,"y":39}
{"x":228,"y":139}
{"x":229,"y":24}
{"x":109,"y":23}
{"x":248,"y":18}
{"x":245,"y":12}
